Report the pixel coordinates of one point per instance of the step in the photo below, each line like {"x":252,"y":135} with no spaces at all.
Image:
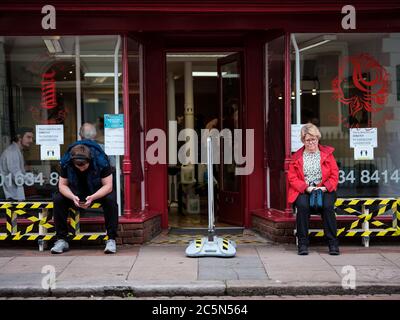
{"x":204,"y":231}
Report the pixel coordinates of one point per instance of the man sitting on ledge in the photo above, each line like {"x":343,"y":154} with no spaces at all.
{"x":85,"y":178}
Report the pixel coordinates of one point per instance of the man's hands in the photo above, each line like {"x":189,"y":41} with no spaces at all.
{"x":89,"y":201}
{"x":310,"y":189}
{"x":83,"y":204}
{"x":76,"y":200}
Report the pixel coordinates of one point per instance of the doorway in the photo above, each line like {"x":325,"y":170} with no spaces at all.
{"x":204,"y":91}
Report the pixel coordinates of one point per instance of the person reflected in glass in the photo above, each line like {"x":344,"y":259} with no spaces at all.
{"x":88,"y":131}
{"x":12,"y":164}
{"x":313,"y":167}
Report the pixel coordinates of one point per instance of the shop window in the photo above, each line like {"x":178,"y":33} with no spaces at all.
{"x":64,"y":81}
{"x":347,"y":86}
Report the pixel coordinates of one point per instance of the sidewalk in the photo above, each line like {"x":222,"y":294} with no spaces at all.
{"x":164,"y":270}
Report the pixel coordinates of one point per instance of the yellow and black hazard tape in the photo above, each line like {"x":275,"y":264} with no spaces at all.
{"x":366,"y":202}
{"x":74,"y":220}
{"x":197,"y":243}
{"x":393,"y":232}
{"x":36,"y":205}
{"x":381,"y":207}
{"x":15,"y":210}
{"x":46,"y":237}
{"x":225,"y":244}
{"x":371,"y":215}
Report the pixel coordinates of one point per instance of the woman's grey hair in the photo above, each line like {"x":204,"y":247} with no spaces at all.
{"x":88,"y":131}
{"x":310,"y":129}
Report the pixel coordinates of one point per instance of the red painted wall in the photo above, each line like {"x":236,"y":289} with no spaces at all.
{"x":107,"y":17}
{"x":254,"y":119}
{"x":155,"y":117}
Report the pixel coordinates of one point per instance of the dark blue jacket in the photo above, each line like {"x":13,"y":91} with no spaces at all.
{"x":99,"y":161}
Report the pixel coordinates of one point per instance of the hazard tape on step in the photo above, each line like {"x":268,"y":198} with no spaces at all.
{"x":47,"y":237}
{"x":376,"y":208}
{"x":15,"y":210}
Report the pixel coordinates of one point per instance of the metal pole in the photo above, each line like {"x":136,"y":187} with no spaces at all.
{"x":267,"y":198}
{"x":298,"y":77}
{"x":211,"y":229}
{"x":288,"y":210}
{"x":78,"y":86}
{"x":127,"y":161}
{"x":365,"y":225}
{"x":116,"y":111}
{"x":189,"y":115}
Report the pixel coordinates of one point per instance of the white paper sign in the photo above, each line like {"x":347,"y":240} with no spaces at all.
{"x":114,"y":134}
{"x":50,"y":134}
{"x":50,"y":152}
{"x":364,"y":137}
{"x":364,"y":153}
{"x":295,"y":140}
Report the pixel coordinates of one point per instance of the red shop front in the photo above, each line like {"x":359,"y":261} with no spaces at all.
{"x":259,"y":67}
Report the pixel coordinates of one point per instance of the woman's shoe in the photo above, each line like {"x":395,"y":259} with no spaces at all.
{"x":302,"y":250}
{"x":334,"y":250}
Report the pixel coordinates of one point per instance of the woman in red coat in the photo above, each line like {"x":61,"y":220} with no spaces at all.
{"x":313,"y":167}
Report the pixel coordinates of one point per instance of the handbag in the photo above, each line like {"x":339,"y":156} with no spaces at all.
{"x":316,"y":200}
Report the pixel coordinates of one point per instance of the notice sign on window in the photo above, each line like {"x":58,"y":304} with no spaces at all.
{"x":296,"y":141}
{"x":114,"y":134}
{"x":50,"y":134}
{"x":50,"y":152}
{"x":363,"y":153}
{"x":363,"y":137}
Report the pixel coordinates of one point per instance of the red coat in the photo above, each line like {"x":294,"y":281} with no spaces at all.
{"x":329,"y":168}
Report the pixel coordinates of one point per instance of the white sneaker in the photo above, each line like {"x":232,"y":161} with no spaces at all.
{"x":111,"y":246}
{"x":60,"y":246}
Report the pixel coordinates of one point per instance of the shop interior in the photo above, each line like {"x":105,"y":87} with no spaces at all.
{"x":194,"y":105}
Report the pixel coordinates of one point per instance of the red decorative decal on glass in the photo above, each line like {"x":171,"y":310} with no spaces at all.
{"x":48,"y":113}
{"x":366,"y":88}
{"x":49,"y":99}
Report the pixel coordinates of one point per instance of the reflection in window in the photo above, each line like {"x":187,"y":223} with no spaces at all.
{"x":65,"y":80}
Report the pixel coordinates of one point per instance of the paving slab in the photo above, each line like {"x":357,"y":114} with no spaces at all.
{"x":361,"y":259}
{"x":286,"y":266}
{"x":24,"y":265}
{"x":240,"y":267}
{"x":4,"y":260}
{"x":245,"y":265}
{"x":312,"y":276}
{"x":155,"y":263}
{"x":392,"y":256}
{"x":91,"y":268}
{"x":31,"y":280}
{"x":375,"y":274}
{"x":276,"y":259}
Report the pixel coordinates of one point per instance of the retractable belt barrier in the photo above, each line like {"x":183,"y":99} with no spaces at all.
{"x":371,"y":210}
{"x":41,"y":228}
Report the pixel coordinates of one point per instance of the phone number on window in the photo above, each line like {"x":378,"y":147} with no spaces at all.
{"x":366,"y":176}
{"x":28,"y":179}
